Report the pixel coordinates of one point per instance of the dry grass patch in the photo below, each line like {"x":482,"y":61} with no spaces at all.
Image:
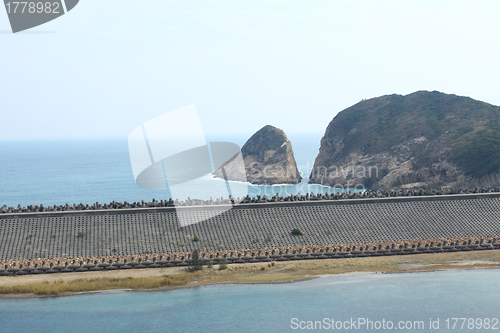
{"x":86,"y":285}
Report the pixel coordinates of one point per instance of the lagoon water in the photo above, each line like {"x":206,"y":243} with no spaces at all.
{"x":270,"y":307}
{"x":57,"y":172}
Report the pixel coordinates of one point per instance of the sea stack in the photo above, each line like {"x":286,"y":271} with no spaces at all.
{"x":268,"y":158}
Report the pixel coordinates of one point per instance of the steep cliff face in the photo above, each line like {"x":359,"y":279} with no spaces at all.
{"x":268,"y":159}
{"x":421,"y":139}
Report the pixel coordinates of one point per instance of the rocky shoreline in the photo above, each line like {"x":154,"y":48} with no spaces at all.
{"x":334,"y":251}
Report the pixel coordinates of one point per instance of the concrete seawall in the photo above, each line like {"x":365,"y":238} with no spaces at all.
{"x":141,"y":231}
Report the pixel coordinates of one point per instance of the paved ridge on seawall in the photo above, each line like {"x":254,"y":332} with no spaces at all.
{"x":246,"y":200}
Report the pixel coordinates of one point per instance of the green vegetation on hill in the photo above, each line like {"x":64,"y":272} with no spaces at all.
{"x":480,"y":155}
{"x":468,"y":126}
{"x":267,"y":138}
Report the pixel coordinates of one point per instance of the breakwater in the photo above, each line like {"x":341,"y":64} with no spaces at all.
{"x":246,"y":200}
{"x":251,"y":227}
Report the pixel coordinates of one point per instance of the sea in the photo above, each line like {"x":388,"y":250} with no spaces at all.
{"x":56,"y":172}
{"x":85,"y":171}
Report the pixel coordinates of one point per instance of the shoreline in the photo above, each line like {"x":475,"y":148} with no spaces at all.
{"x":165,"y":279}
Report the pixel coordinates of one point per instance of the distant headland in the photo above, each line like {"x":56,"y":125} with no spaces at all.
{"x":424,"y":139}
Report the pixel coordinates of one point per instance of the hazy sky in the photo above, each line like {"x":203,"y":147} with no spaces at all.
{"x":108,"y":66}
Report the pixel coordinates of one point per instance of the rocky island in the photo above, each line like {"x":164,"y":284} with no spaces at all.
{"x":424,"y":139}
{"x":268,"y":158}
